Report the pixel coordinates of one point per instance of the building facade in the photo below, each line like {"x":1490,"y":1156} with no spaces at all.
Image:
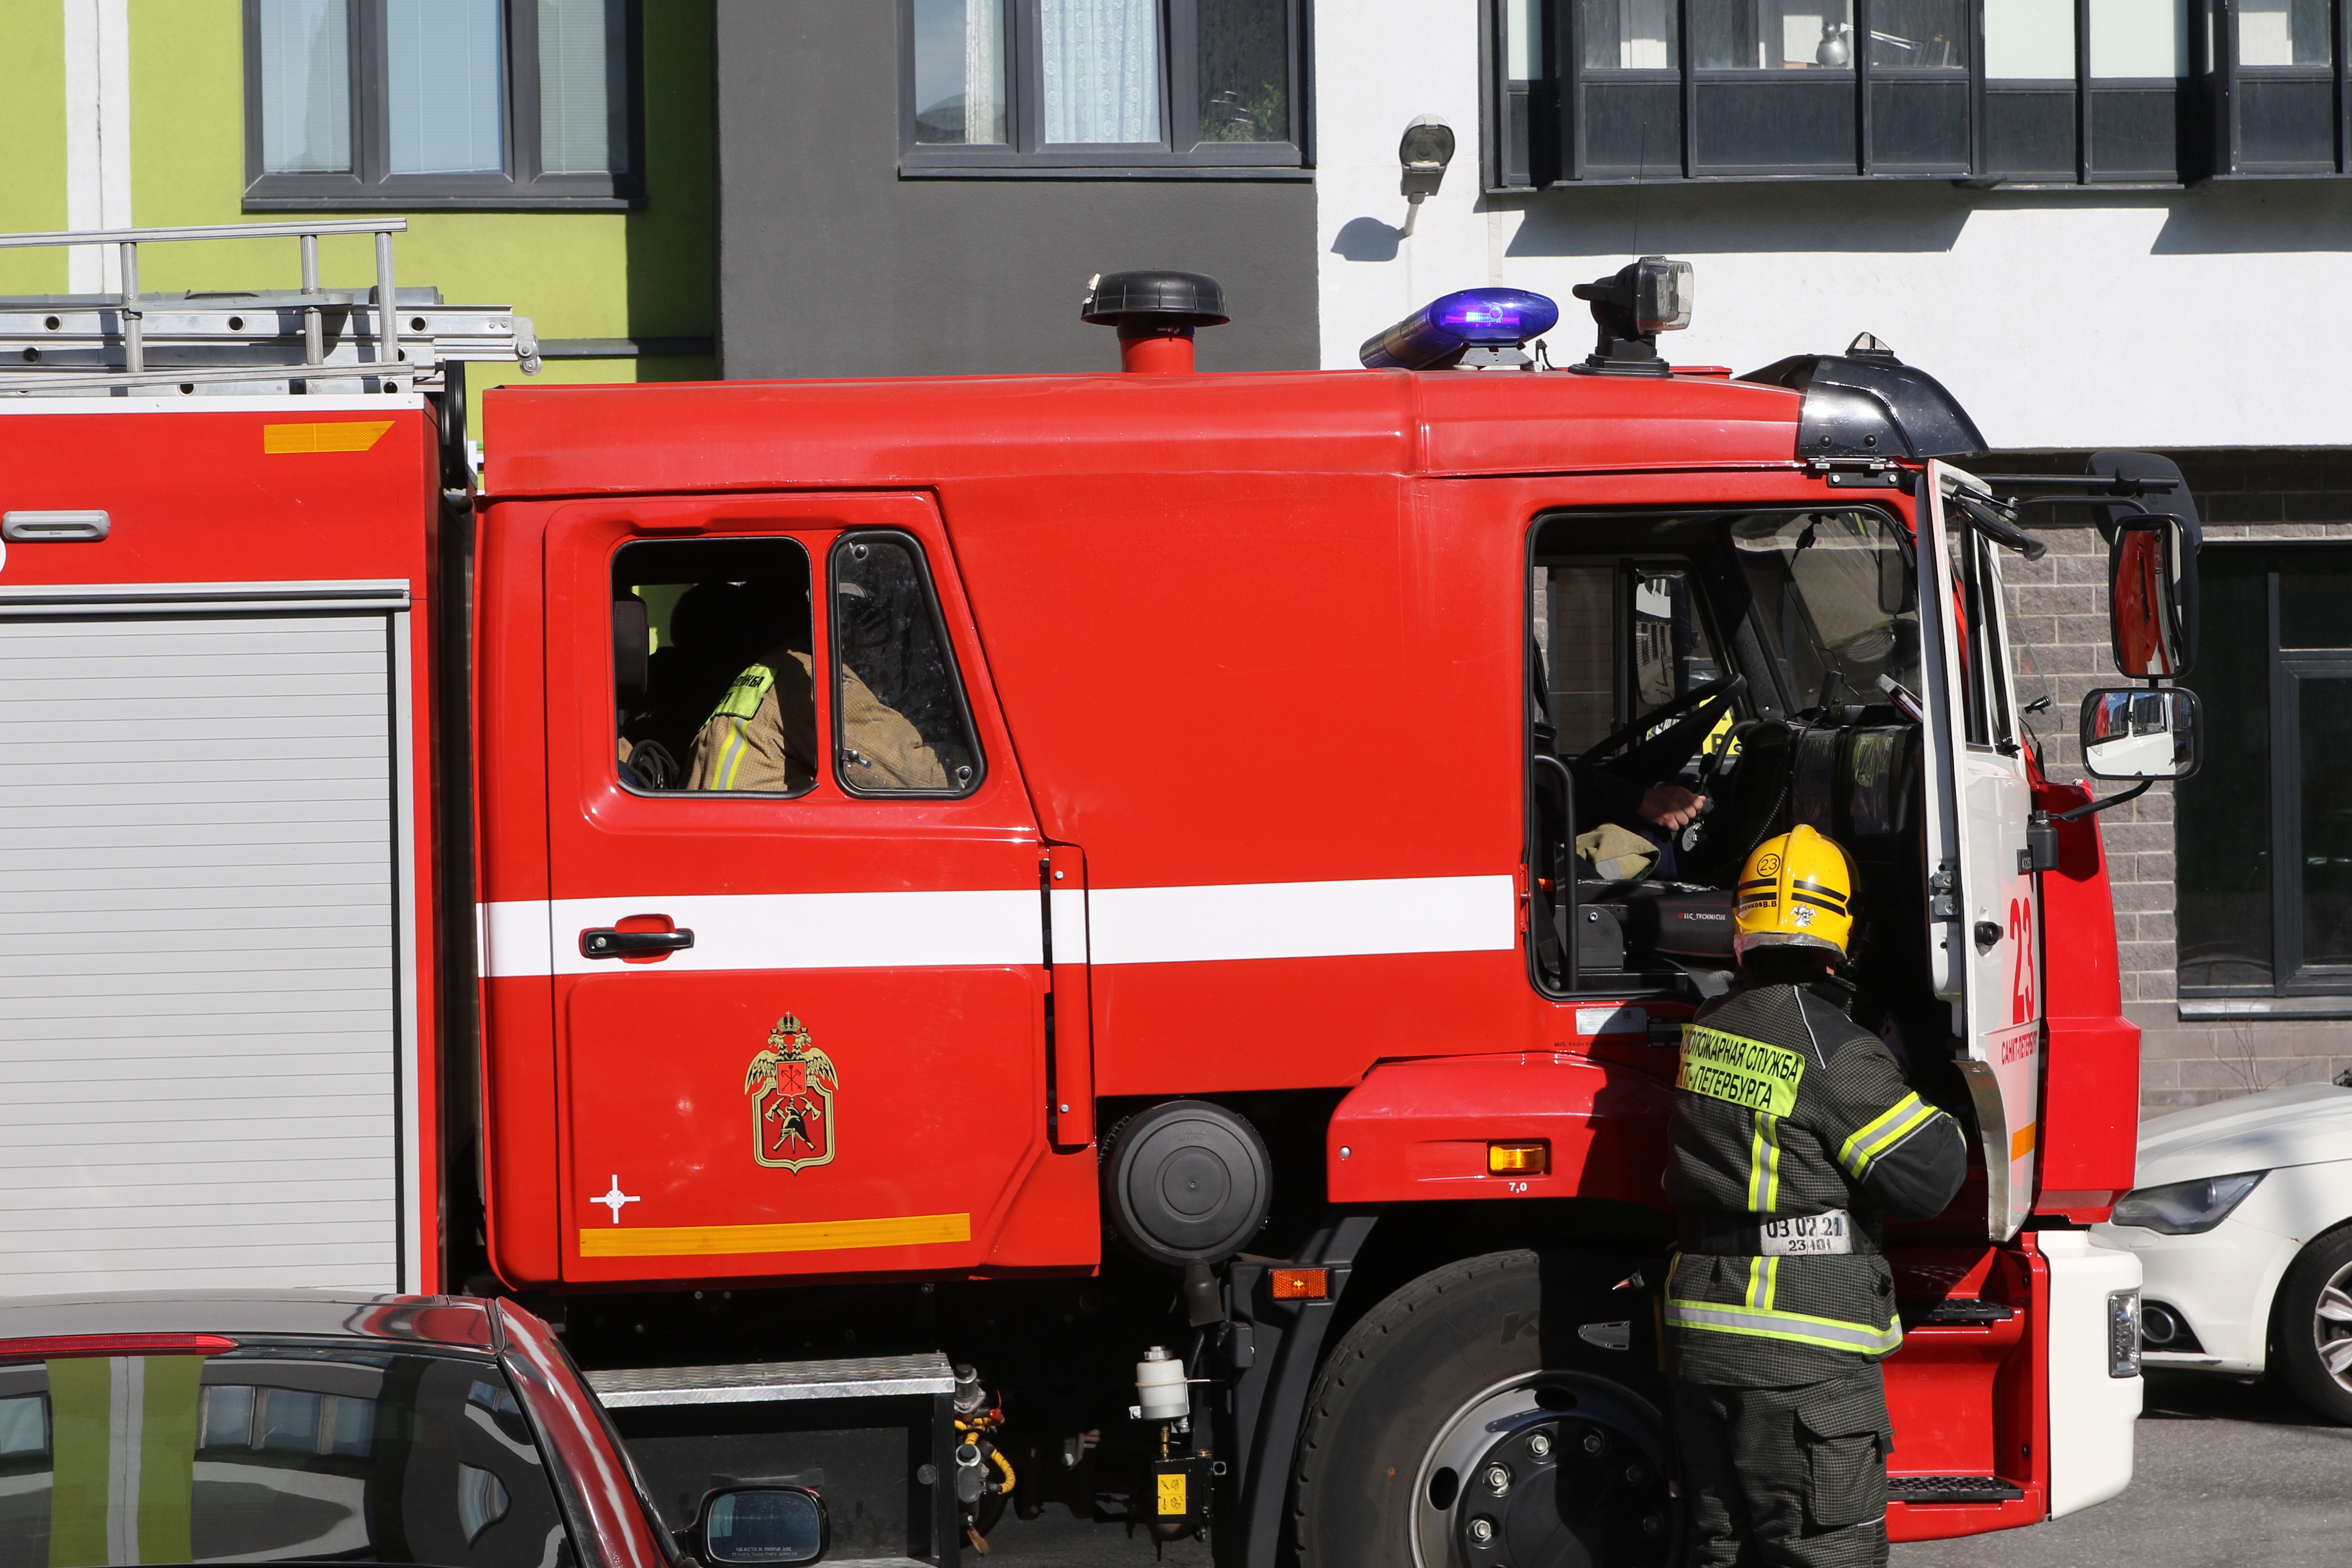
{"x":553,"y":155}
{"x":925,"y":186}
{"x":2056,"y":209}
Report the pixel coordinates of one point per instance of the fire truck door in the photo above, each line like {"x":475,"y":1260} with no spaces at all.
{"x":799,"y":969}
{"x":1983,"y":910}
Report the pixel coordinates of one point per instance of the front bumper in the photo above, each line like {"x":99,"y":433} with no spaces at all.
{"x":2220,"y":1283}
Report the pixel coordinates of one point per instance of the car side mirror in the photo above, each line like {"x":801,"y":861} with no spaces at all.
{"x":2136,"y":732}
{"x":761,"y":1527}
{"x":2152,"y":597}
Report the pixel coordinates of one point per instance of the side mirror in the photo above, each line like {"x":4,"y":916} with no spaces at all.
{"x":2133,"y":732}
{"x":761,"y":1527}
{"x":2152,"y":597}
{"x":1895,"y":582}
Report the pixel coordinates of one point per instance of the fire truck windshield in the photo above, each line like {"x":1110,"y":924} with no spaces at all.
{"x":1838,"y":609}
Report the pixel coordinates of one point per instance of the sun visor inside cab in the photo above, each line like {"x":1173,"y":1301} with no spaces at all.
{"x":1872,"y":405}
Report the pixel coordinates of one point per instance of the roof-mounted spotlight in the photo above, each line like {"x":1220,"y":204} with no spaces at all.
{"x":1650,"y":296}
{"x":1426,"y":151}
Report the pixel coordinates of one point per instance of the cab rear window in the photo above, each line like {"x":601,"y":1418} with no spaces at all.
{"x":268,"y":1454}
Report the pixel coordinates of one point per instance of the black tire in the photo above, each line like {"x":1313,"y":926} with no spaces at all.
{"x":1476,"y":1364}
{"x":2314,"y":1326}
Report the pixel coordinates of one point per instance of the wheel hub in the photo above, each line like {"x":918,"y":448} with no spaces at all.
{"x":1557,"y":1470}
{"x":2331,"y":1327}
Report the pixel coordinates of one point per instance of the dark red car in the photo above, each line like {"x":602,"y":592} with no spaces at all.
{"x":322,"y":1427}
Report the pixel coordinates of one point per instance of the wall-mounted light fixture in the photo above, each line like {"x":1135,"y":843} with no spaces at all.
{"x":1426,"y":150}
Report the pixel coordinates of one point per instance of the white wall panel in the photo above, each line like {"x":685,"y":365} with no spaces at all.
{"x":197,"y":1009}
{"x":2059,"y":318}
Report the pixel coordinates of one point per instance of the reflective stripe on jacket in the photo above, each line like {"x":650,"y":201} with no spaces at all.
{"x":1786,"y":1109}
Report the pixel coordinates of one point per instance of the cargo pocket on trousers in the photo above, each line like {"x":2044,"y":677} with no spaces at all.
{"x":1845,"y":1458}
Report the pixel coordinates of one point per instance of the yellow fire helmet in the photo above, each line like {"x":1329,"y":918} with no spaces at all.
{"x":1796,"y":891}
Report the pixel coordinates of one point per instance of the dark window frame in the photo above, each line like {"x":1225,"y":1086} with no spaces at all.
{"x":2234,"y":87}
{"x":2291,"y":975}
{"x":2106,"y":120}
{"x":832,"y":663}
{"x":519,"y":185}
{"x":1178,"y":155}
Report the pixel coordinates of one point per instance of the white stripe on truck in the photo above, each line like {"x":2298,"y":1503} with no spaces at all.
{"x":939,"y":930}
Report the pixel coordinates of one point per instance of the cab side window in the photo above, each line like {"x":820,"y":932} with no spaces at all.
{"x":901,"y":725}
{"x":714,"y":666}
{"x":1976,"y":572}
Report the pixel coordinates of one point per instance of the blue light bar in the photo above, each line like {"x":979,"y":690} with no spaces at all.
{"x":1439,"y":333}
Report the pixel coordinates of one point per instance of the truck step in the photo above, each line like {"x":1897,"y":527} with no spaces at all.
{"x":856,"y":1377}
{"x":1950,"y":1488}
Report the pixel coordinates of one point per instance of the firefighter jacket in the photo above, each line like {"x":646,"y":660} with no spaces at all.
{"x":1793,"y":1132}
{"x":762,"y":735}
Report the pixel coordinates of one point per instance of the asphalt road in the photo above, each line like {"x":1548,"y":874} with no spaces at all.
{"x":2228,"y":1476}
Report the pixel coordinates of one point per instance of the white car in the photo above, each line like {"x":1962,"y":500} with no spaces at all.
{"x":2242,"y":1222}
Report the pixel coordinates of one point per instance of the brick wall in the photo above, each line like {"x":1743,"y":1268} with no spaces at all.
{"x":2060,"y":608}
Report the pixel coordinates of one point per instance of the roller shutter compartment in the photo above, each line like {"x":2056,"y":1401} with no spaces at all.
{"x":198,"y":966}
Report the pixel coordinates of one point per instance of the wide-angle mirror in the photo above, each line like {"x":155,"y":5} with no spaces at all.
{"x":761,"y":1527}
{"x":2138,"y":733}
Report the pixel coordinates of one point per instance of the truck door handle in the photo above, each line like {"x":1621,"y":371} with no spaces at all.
{"x":605,"y":942}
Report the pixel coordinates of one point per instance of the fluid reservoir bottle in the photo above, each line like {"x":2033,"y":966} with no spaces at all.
{"x":1159,"y":1388}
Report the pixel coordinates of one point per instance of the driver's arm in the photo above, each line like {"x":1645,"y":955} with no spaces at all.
{"x":1670,"y":806}
{"x":1604,"y":797}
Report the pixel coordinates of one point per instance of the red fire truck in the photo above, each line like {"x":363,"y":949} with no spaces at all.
{"x":1157,"y":969}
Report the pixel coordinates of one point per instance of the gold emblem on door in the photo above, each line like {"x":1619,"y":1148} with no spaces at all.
{"x":791,"y":1084}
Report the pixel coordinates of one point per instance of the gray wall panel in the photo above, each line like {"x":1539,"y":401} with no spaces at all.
{"x":197,"y":1014}
{"x":830,"y":265}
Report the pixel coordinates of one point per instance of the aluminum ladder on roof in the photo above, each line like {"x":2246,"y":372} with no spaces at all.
{"x":316,"y":340}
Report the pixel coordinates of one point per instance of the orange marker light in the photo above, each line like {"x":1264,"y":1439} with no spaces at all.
{"x":1301,"y":1284}
{"x":1519,"y":1160}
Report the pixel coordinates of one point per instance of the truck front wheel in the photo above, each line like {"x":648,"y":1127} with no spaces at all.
{"x":1492,"y":1414}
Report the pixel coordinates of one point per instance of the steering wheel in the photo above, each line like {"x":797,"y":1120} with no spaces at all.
{"x":1662,"y":756}
{"x":1745,"y":794}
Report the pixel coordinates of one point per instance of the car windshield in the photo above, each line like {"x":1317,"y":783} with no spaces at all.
{"x":1835,"y":601}
{"x":267,"y":1453}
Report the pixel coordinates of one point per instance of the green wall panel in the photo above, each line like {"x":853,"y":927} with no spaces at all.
{"x":648,"y":273}
{"x":33,"y":130}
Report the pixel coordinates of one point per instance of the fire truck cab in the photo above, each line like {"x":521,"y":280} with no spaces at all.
{"x":1142,"y":883}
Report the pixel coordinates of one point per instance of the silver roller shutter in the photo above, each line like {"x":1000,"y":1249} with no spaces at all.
{"x":198,"y":998}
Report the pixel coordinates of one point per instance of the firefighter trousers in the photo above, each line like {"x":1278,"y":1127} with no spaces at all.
{"x":1787,"y":1478}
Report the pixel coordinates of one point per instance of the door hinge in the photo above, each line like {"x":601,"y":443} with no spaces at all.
{"x":1943,"y":893}
{"x":1857,"y":474}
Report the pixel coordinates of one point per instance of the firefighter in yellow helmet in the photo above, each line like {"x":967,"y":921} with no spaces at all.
{"x":1793,"y":1133}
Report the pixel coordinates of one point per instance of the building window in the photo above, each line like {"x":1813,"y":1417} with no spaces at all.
{"x":1036,"y":87}
{"x":440,"y":104}
{"x":2076,"y":92}
{"x":2278,"y":82}
{"x":2262,"y":841}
